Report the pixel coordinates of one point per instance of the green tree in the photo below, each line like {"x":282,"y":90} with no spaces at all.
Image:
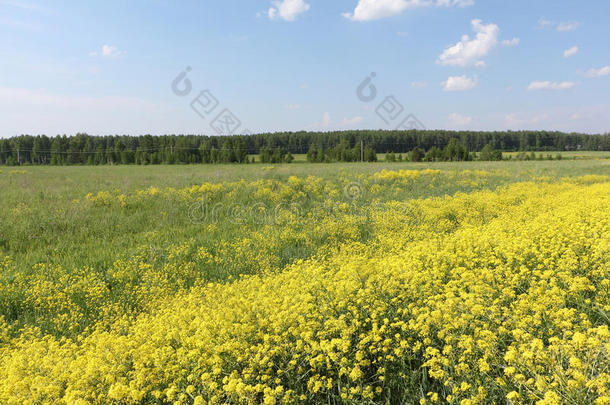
{"x":417,"y":155}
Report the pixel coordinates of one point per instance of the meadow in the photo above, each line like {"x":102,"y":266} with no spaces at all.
{"x":347,"y":283}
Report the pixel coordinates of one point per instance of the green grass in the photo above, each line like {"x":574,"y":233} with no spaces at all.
{"x":46,"y":218}
{"x":302,"y":158}
{"x":568,"y":154}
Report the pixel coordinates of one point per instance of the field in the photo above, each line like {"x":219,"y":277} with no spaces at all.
{"x":460,"y":283}
{"x":574,"y":155}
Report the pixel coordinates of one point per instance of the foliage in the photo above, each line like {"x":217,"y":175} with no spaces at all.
{"x":277,"y":155}
{"x":341,"y":153}
{"x":341,"y":146}
{"x":488,"y":153}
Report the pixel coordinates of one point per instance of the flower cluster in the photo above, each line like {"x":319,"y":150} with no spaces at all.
{"x":482,"y":297}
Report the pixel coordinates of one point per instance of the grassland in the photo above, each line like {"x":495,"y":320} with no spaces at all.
{"x":43,"y":224}
{"x":570,"y":155}
{"x":343,"y":283}
{"x":574,"y":155}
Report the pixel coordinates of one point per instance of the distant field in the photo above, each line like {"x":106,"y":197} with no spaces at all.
{"x":570,"y":154}
{"x":300,"y":158}
{"x":343,"y":283}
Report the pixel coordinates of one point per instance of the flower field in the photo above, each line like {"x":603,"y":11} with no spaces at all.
{"x":448,"y":283}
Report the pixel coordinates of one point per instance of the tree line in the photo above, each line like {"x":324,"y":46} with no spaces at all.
{"x":280,"y":146}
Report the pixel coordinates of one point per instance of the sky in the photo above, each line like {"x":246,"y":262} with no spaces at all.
{"x":248,"y":66}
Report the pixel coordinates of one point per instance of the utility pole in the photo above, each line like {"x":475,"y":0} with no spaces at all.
{"x":362,"y":150}
{"x":18,"y":159}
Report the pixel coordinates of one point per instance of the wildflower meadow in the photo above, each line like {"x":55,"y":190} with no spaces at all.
{"x":392,"y":283}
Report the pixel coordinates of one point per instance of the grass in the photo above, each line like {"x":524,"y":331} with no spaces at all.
{"x":49,"y":219}
{"x":302,"y":158}
{"x":43,"y":224}
{"x":87,"y":250}
{"x":567,"y":154}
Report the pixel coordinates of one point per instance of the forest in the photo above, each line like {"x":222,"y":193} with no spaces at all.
{"x":84,"y":149}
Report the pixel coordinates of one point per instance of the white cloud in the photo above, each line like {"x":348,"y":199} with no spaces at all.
{"x":326,"y":119}
{"x":352,"y":121}
{"x":287,"y":10}
{"x":293,"y":106}
{"x":543,"y":22}
{"x":460,"y":83}
{"x":419,"y":85}
{"x":468,"y":52}
{"x":584,"y":118}
{"x":561,"y":27}
{"x":325,"y":123}
{"x":570,"y":52}
{"x":604,"y":71}
{"x":589,"y":113}
{"x":367,"y":10}
{"x":548,"y":85}
{"x":567,"y":26}
{"x":459,"y":120}
{"x":456,"y":3}
{"x":108,"y":51}
{"x":514,"y":120}
{"x":511,"y":42}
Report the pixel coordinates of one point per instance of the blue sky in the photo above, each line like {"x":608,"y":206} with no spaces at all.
{"x":108,"y":67}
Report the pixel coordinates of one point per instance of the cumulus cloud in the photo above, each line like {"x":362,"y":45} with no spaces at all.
{"x":459,"y":120}
{"x":456,"y":3}
{"x":287,"y":10}
{"x":107,"y":51}
{"x":469,"y":51}
{"x":570,"y":52}
{"x":604,"y":71}
{"x":460,"y":83}
{"x":548,"y":85}
{"x":367,"y":10}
